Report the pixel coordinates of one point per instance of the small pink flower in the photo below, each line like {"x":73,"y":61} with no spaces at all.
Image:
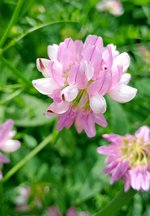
{"x":23,"y":194}
{"x":78,"y":76}
{"x":53,"y":211}
{"x":7,"y":144}
{"x":128,"y":158}
{"x":114,"y":7}
{"x":72,"y":212}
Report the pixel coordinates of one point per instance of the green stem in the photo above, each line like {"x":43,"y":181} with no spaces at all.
{"x":2,"y":211}
{"x":51,"y":138}
{"x":11,"y":96}
{"x":15,"y":40}
{"x":116,"y":204}
{"x":12,"y":20}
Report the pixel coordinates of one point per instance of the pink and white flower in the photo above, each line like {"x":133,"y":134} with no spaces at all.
{"x":7,"y":144}
{"x":54,"y":211}
{"x":77,"y":77}
{"x":128,"y":158}
{"x":114,"y":7}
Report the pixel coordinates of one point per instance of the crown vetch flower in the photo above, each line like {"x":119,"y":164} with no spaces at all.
{"x":128,"y":158}
{"x":78,"y":76}
{"x":7,"y":144}
{"x":114,"y":7}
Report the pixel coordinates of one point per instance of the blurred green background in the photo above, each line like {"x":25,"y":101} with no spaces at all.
{"x":68,"y":173}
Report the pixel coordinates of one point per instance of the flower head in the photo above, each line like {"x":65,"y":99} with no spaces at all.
{"x":128,"y":158}
{"x":7,"y":144}
{"x":114,"y":7}
{"x":78,"y":76}
{"x":54,"y":211}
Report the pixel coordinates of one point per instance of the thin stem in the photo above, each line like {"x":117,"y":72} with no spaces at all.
{"x":116,"y":204}
{"x":12,"y":20}
{"x":11,"y":96}
{"x":51,"y":138}
{"x":2,"y":211}
{"x":14,"y":41}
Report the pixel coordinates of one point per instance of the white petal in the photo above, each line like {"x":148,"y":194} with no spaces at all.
{"x":70,"y":93}
{"x":45,"y":85}
{"x":98,"y":104}
{"x":114,"y":51}
{"x":122,"y":59}
{"x":42,"y":65}
{"x":10,"y":146}
{"x":89,"y":71}
{"x":52,"y":51}
{"x":123,"y":93}
{"x":125,"y":78}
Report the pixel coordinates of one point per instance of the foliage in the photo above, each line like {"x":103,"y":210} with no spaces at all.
{"x":69,"y":171}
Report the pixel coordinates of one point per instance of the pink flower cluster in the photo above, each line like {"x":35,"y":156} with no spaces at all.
{"x":54,"y":211}
{"x":6,"y":143}
{"x":128,"y":158}
{"x":78,"y":76}
{"x":114,"y":7}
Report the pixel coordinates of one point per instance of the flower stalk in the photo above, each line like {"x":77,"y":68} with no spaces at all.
{"x":12,"y":20}
{"x":51,"y":138}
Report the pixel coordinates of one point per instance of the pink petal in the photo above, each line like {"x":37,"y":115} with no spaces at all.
{"x":133,"y":176}
{"x":1,"y":175}
{"x":143,"y":132}
{"x":81,"y":80}
{"x":107,"y":56}
{"x":107,"y":150}
{"x":45,"y":85}
{"x":6,"y":131}
{"x":72,"y":212}
{"x":93,"y":55}
{"x":3,"y":159}
{"x":77,"y":76}
{"x":98,"y":104}
{"x":78,"y":122}
{"x":10,"y":146}
{"x":67,"y":53}
{"x":120,"y":170}
{"x":69,"y":93}
{"x":101,"y":85}
{"x":146,"y":181}
{"x":123,"y":93}
{"x":52,"y":51}
{"x":93,"y":40}
{"x":56,"y":96}
{"x":53,"y":211}
{"x":66,"y":119}
{"x":79,"y":47}
{"x":114,"y":51}
{"x":100,"y":120}
{"x":114,"y":138}
{"x":58,"y":108}
{"x":116,"y":76}
{"x":56,"y":71}
{"x":89,"y":125}
{"x":73,"y":74}
{"x":127,"y":182}
{"x":111,"y":166}
{"x":89,"y":71}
